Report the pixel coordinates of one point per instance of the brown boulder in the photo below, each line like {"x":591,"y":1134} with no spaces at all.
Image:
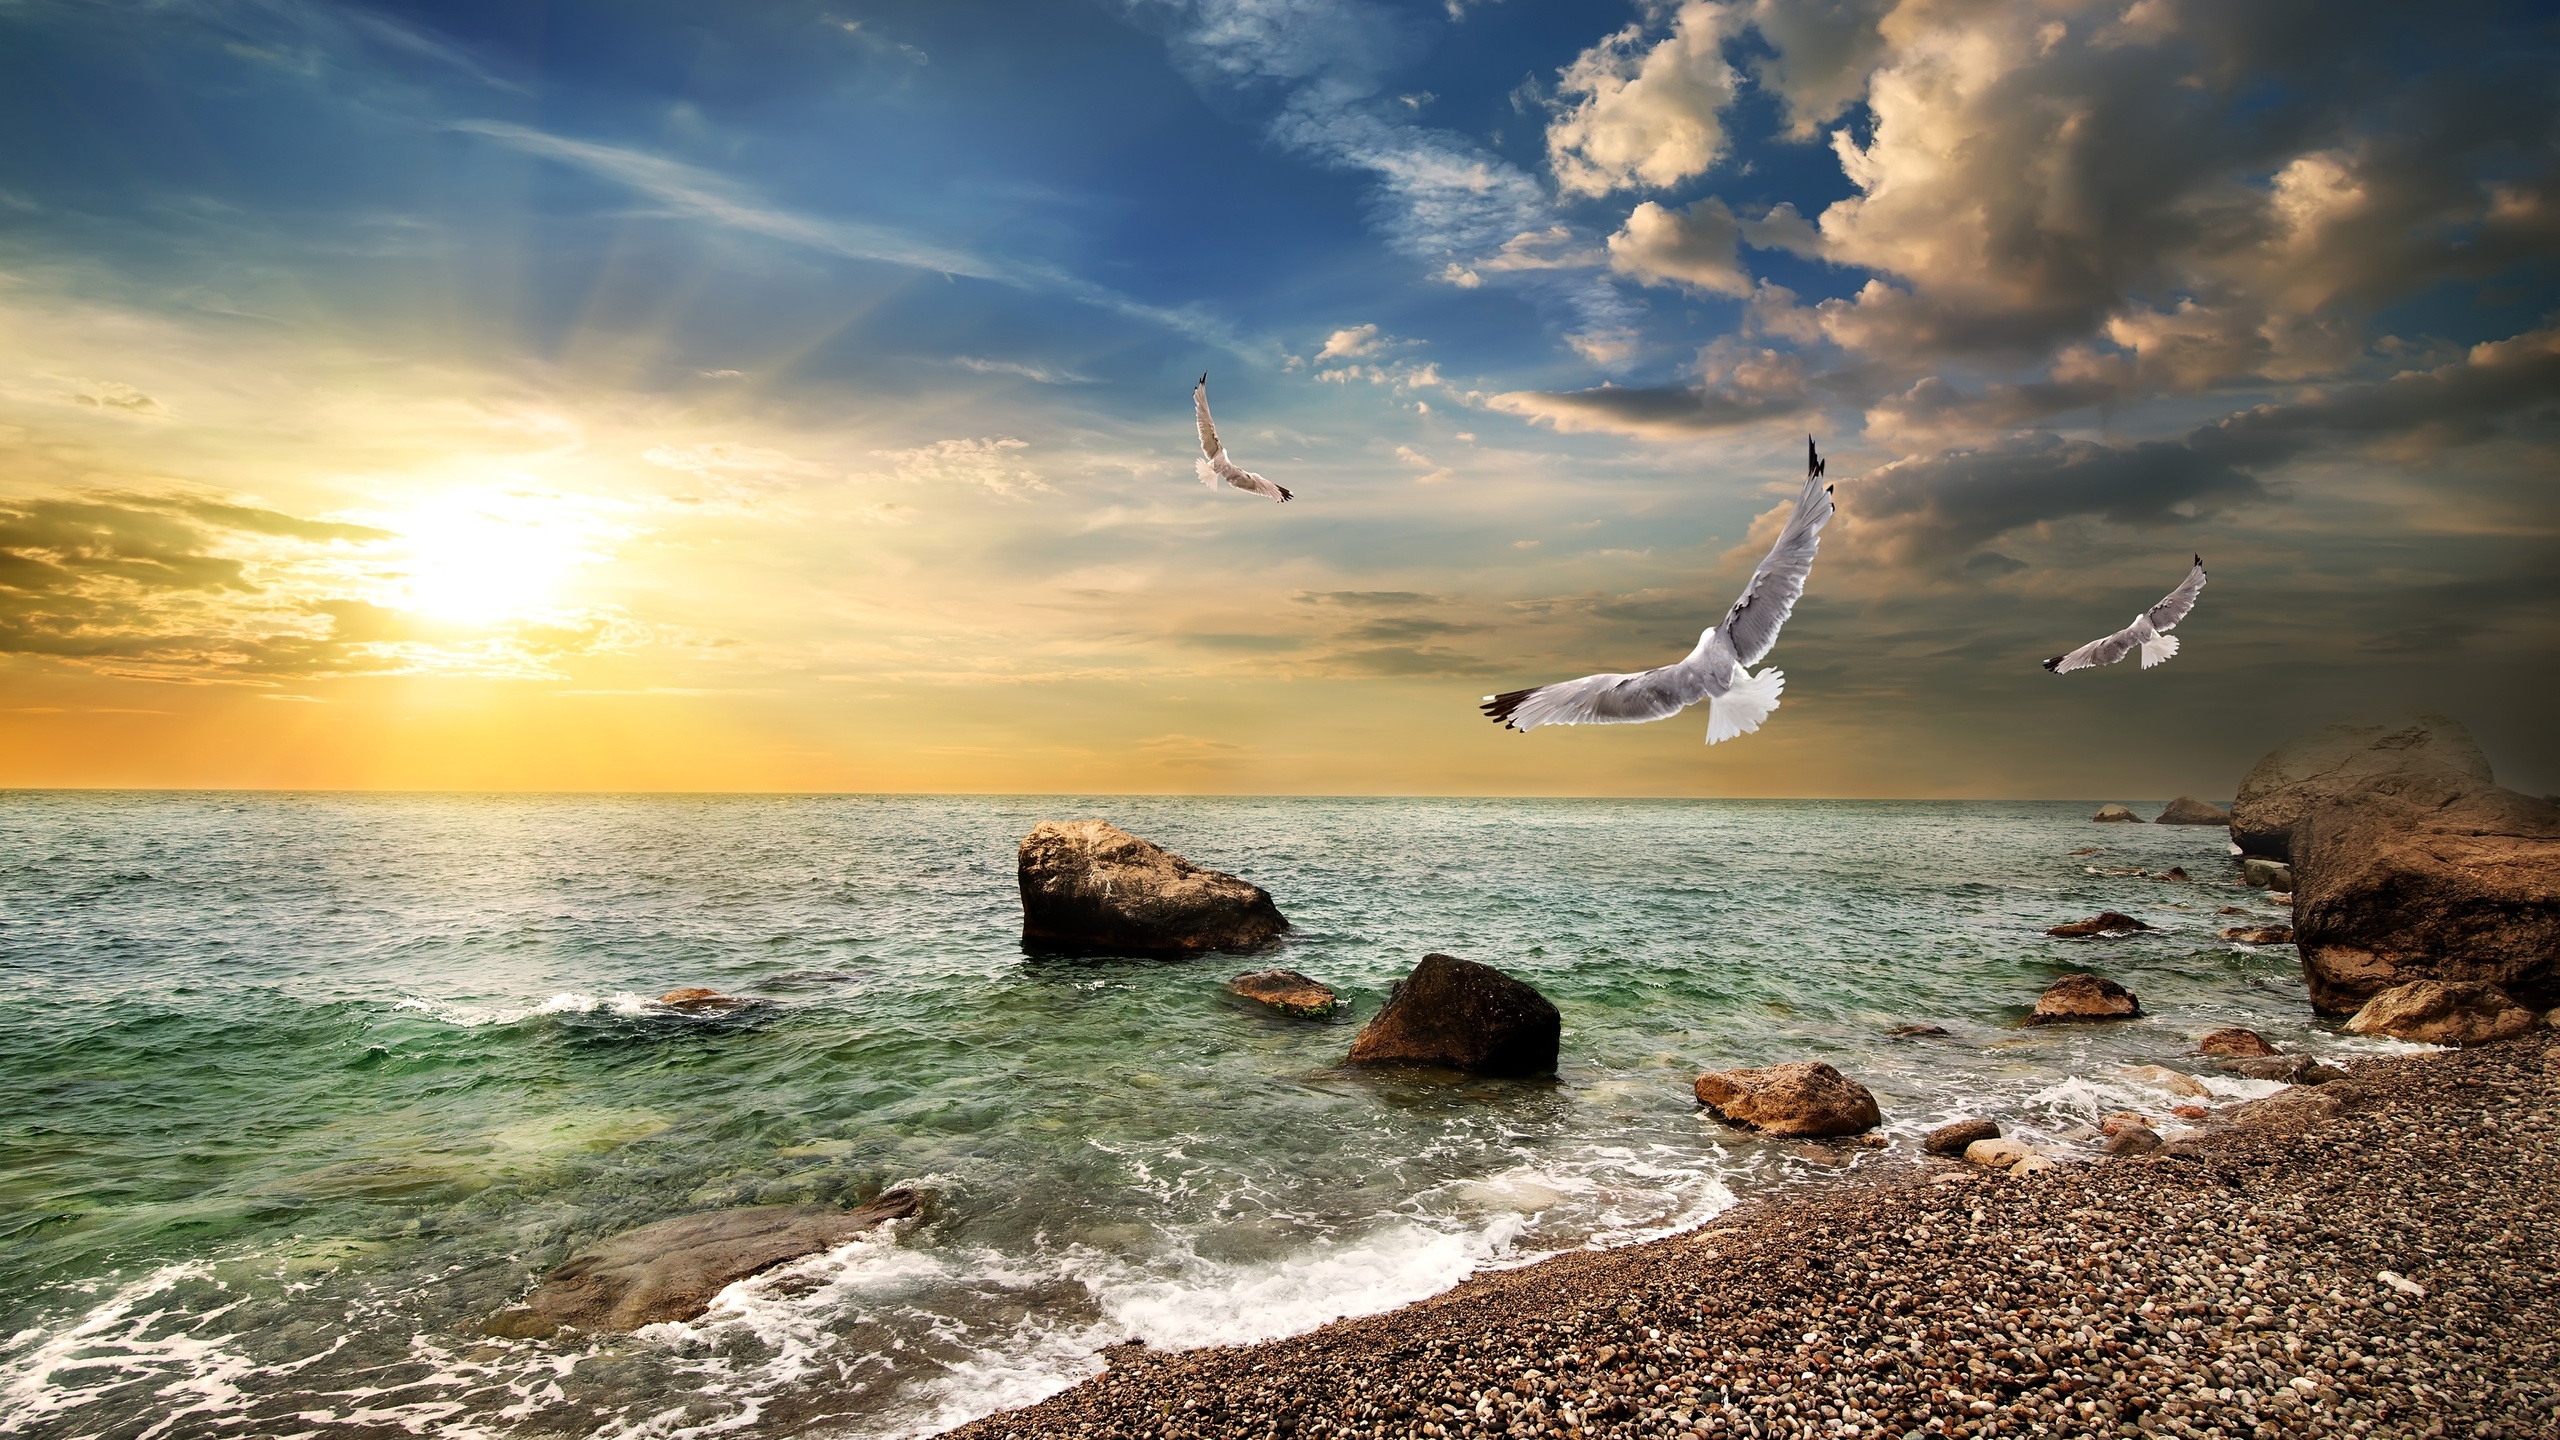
{"x":2116,"y":815}
{"x":1951,"y":1140}
{"x":2105,"y":922}
{"x":2187,"y":810}
{"x":2132,"y":1140}
{"x":2435,"y":1012}
{"x":1088,"y":885}
{"x":1803,"y":1098}
{"x":1465,"y":1016}
{"x":2234,"y":1041}
{"x":701,"y":997}
{"x":2466,"y":889}
{"x":2260,"y":934}
{"x":671,"y":1270}
{"x":1288,"y":992}
{"x":2085,"y":997}
{"x":2291,"y":1069}
{"x":2422,"y":757}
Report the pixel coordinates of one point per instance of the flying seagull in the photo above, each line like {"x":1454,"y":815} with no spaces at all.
{"x":1717,"y":670}
{"x":2149,"y":631}
{"x":1213,"y":463}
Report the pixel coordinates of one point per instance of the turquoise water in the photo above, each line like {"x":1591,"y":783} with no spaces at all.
{"x":301,"y":1088}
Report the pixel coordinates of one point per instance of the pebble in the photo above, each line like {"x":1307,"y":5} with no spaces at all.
{"x":2237,"y":1285}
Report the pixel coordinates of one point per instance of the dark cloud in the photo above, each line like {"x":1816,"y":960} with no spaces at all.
{"x":1660,"y":411}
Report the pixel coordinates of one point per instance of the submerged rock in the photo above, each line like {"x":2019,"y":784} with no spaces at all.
{"x":1951,"y":1140}
{"x":700,"y":997}
{"x":671,"y":1270}
{"x":1802,"y":1098}
{"x":2291,"y":1069}
{"x":1288,"y":992}
{"x":1090,"y":885}
{"x":2116,"y":815}
{"x":2105,"y":922}
{"x":2444,"y":1012}
{"x":2423,"y":757}
{"x":2174,"y":872}
{"x":1463,"y":1015}
{"x":2260,"y":934}
{"x":2085,"y":997}
{"x":1913,"y":1032}
{"x":2187,"y":810}
{"x":2234,"y":1041}
{"x":2161,"y":1077}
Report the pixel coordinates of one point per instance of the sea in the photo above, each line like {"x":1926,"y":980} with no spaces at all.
{"x":296,"y":1090}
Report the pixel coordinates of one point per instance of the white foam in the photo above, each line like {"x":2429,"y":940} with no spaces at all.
{"x":621,"y":1002}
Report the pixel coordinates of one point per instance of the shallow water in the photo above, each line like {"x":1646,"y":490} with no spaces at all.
{"x":304,"y":1087}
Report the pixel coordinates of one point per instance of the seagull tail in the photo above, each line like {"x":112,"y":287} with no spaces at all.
{"x":1740,"y":710}
{"x":2157,"y":651}
{"x":1208,"y":476}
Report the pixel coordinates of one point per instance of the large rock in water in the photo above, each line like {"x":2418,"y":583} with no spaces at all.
{"x":1805,"y":1098}
{"x":1090,"y":885}
{"x":2187,"y":810}
{"x":2464,"y":888}
{"x":671,"y":1270}
{"x":2117,"y":814}
{"x":2435,"y":1013}
{"x":1465,"y":1016}
{"x":2423,"y":757}
{"x":2085,"y":997}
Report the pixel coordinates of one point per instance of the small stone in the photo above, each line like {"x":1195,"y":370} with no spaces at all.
{"x":2133,"y":1140}
{"x":2105,"y":922}
{"x":2234,"y":1041}
{"x":2190,"y":1112}
{"x":2080,"y":997}
{"x":2116,"y":815}
{"x":2260,"y":934}
{"x":2291,"y":1069}
{"x":2032,"y":1164}
{"x":2120,"y":1120}
{"x":1996,"y":1154}
{"x":2231,"y":910}
{"x":1288,"y":992}
{"x":1952,"y":1139}
{"x":2161,"y":1077}
{"x":1913,"y":1031}
{"x":2174,"y":872}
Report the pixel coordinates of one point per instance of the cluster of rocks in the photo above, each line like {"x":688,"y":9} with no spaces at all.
{"x":2278,"y":1276}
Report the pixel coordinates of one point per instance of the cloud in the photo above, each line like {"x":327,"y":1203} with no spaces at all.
{"x":987,"y":462}
{"x":1739,"y":384}
{"x":1351,"y":343}
{"x":114,"y":397}
{"x":1821,"y":53}
{"x":1038,"y":374}
{"x":1634,"y":115}
{"x":1698,"y":247}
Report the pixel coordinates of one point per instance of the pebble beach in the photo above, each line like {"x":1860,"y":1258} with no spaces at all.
{"x":2371,"y":1258}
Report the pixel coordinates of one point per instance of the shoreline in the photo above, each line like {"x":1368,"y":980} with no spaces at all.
{"x":2239,"y":1283}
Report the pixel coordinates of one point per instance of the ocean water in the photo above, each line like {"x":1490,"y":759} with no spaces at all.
{"x":300,"y":1089}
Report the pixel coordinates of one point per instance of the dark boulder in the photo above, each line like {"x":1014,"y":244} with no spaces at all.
{"x":671,"y":1270}
{"x":1465,"y":1016}
{"x":2085,"y":997}
{"x":1288,"y":992}
{"x":2259,"y":934}
{"x":1805,"y":1098}
{"x":2105,"y":922}
{"x":2422,"y":757}
{"x":2187,"y":810}
{"x":1088,"y":885}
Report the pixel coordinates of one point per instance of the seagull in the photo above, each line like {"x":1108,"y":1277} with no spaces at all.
{"x":1716,"y":671}
{"x":2149,"y":630}
{"x":1213,"y":463}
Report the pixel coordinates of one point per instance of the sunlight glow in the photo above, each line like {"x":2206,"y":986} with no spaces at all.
{"x":483,"y":557}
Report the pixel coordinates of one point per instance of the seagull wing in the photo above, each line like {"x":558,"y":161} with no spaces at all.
{"x":1213,"y":464}
{"x":1652,"y":694}
{"x":2173,"y":607}
{"x":1752,"y":624}
{"x":2105,"y":651}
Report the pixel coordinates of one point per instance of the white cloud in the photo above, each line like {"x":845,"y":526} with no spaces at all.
{"x":1698,"y":247}
{"x":1351,"y":343}
{"x":1645,"y":116}
{"x":988,"y":462}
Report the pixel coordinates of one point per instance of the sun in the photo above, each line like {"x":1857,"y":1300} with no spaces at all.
{"x":487,"y":556}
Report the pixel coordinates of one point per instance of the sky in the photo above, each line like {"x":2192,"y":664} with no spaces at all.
{"x":748,"y":395}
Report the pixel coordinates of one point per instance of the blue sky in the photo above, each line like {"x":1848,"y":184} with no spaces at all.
{"x":794,"y":395}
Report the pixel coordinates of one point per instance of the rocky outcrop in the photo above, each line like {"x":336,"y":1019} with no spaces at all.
{"x":1088,"y":885}
{"x":2434,"y":1012}
{"x":1288,"y":992}
{"x":2116,"y":815}
{"x":1465,"y":1016}
{"x":2105,"y":922}
{"x":2234,"y":1041}
{"x":2187,"y":810}
{"x":1951,"y":1140}
{"x":2085,"y":997}
{"x":671,"y":1270}
{"x":2467,"y":888}
{"x":2422,"y":757}
{"x":1803,"y":1098}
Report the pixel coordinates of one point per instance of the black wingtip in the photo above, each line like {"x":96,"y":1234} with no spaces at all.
{"x":2199,"y":562}
{"x":2054,"y":664}
{"x":1498,"y":708}
{"x":1284,"y":494}
{"x":1204,"y":377}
